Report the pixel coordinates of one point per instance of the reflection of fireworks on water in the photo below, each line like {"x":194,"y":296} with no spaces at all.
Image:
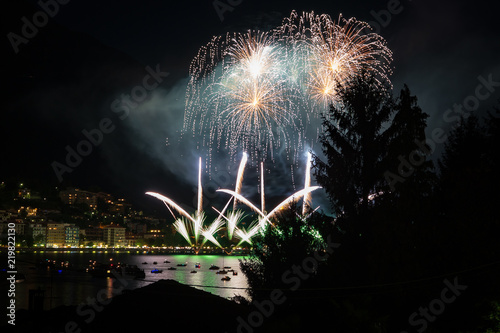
{"x":192,"y":226}
{"x":257,"y":91}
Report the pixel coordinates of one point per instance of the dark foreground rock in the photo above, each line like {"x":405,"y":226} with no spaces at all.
{"x":166,"y":306}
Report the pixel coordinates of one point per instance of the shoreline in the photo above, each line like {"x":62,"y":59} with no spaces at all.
{"x":72,"y":283}
{"x":146,"y":251}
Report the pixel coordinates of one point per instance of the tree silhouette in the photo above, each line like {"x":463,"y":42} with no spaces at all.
{"x":292,"y":238}
{"x":355,"y":145}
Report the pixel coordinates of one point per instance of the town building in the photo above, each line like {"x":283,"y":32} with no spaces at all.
{"x":62,"y":235}
{"x":72,"y":236}
{"x":114,"y":236}
{"x":77,"y":196}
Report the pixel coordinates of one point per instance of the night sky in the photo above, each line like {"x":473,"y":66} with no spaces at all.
{"x":65,"y":78}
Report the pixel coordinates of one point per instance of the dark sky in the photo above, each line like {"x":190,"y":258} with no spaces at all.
{"x":65,"y":78}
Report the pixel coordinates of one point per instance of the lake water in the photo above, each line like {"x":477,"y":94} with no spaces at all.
{"x":72,"y":287}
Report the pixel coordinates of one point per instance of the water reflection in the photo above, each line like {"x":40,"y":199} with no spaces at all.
{"x":72,"y":285}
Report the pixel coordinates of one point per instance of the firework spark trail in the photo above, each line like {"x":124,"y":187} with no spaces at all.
{"x":233,"y":219}
{"x":200,"y":189}
{"x":262,"y":200}
{"x":171,"y":203}
{"x":245,"y":201}
{"x":209,"y":232}
{"x":293,"y":198}
{"x":262,"y":222}
{"x":221,"y":213}
{"x":307,"y":183}
{"x":197,"y":225}
{"x":194,"y":223}
{"x":239,"y":178}
{"x":180,"y":226}
{"x":263,"y":219}
{"x":245,"y":236}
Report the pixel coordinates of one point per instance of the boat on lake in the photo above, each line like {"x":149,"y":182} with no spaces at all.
{"x":156,"y":271}
{"x":133,"y":270}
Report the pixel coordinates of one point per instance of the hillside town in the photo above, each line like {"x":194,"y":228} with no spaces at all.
{"x":74,"y":217}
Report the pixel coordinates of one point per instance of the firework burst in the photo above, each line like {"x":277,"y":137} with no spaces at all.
{"x":332,"y":53}
{"x":258,"y":91}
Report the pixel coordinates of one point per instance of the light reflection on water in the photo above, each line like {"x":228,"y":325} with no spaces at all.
{"x":71,"y":287}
